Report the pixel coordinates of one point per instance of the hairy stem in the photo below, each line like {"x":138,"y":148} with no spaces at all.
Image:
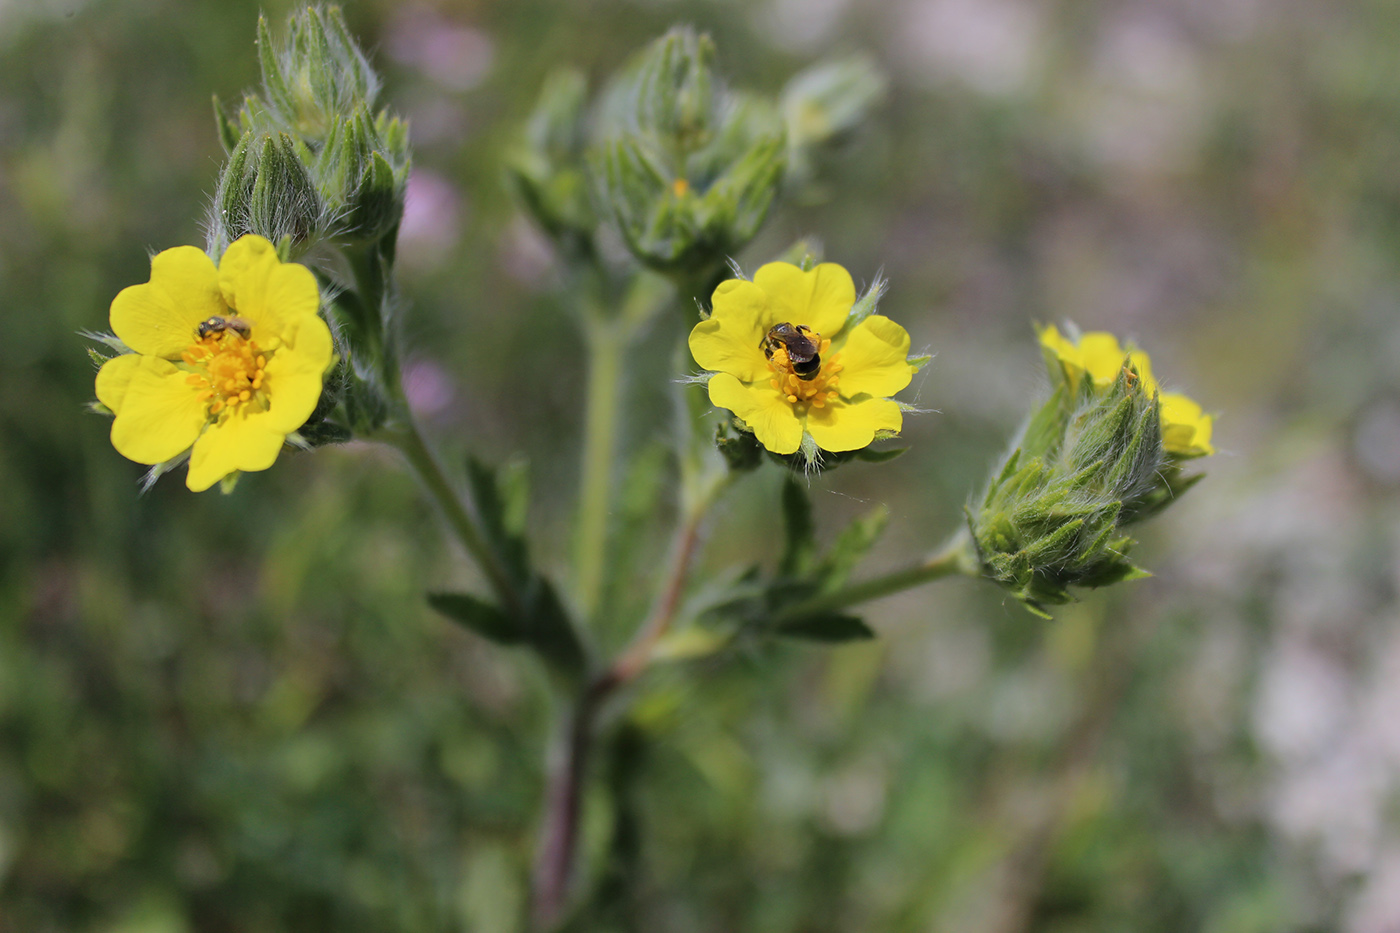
{"x":558,"y":854}
{"x":955,"y":558}
{"x":635,"y":657}
{"x":563,"y":804}
{"x":606,"y":345}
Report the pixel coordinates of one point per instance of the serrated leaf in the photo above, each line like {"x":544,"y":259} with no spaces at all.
{"x":830,"y":627}
{"x":481,"y":617}
{"x":851,"y":546}
{"x":551,"y":630}
{"x":491,"y":508}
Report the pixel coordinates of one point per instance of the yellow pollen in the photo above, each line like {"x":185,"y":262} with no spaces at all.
{"x":680,"y":186}
{"x":817,"y":391}
{"x":230,"y":369}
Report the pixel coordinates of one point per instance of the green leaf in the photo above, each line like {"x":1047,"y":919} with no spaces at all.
{"x":491,"y":506}
{"x":228,"y":129}
{"x":514,"y":482}
{"x":850,"y":548}
{"x":481,"y":617}
{"x":831,"y":627}
{"x":551,"y":631}
{"x":799,"y":533}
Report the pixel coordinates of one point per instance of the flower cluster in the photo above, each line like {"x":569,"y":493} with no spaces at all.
{"x":1186,"y":429}
{"x":226,"y":360}
{"x":789,"y":358}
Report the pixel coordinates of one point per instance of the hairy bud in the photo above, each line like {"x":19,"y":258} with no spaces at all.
{"x":687,"y":169}
{"x":265,"y":189}
{"x":547,"y":169}
{"x":1085,"y":465}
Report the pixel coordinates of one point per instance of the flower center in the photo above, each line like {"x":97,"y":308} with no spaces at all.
{"x":229,"y":370}
{"x":816,"y":391}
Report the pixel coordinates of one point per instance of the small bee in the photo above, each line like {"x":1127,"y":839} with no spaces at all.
{"x":218,"y":324}
{"x":801,"y":348}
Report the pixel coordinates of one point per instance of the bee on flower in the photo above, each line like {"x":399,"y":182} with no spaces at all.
{"x":226,"y":360}
{"x":797,"y":368}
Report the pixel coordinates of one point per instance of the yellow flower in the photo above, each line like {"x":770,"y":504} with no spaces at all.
{"x":1186,"y":429}
{"x":841,"y":401}
{"x":227,"y":361}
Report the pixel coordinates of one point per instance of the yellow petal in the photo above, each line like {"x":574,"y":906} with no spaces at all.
{"x":269,"y":293}
{"x":731,"y":340}
{"x":767,"y":413}
{"x":246,"y":442}
{"x":113,"y":378}
{"x":1186,"y":430}
{"x":820,"y":298}
{"x":160,"y":317}
{"x":293,"y":375}
{"x":876,"y":359}
{"x":160,"y":413}
{"x":852,"y":425}
{"x":1102,"y":356}
{"x":1056,"y":343}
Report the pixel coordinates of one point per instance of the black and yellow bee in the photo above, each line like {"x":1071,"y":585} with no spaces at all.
{"x":218,"y":324}
{"x":802,"y":349}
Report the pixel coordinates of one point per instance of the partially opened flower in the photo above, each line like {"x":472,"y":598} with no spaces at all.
{"x":790,"y":361}
{"x":1186,"y":429}
{"x":227,"y":360}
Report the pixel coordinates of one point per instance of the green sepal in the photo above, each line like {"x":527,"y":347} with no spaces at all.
{"x":867,"y":305}
{"x":740,"y":449}
{"x":478,"y":616}
{"x":229,"y":130}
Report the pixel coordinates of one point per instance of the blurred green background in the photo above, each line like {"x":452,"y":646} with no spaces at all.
{"x":235,"y":713}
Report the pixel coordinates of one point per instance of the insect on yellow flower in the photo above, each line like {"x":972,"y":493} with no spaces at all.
{"x":1186,"y":429}
{"x":786,"y":363}
{"x":227,"y":360}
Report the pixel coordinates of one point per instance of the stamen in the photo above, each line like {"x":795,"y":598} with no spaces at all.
{"x":230,"y":369}
{"x":819,"y":389}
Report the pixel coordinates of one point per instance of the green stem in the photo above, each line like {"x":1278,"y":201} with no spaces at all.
{"x":460,"y":514}
{"x":607,"y":341}
{"x":955,"y":558}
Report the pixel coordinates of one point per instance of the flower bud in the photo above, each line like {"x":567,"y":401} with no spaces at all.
{"x":547,"y":169}
{"x":1086,"y":464}
{"x":317,"y":105}
{"x":316,"y":75}
{"x":265,"y":189}
{"x":362,"y":173}
{"x":687,"y":170}
{"x":823,"y":105}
